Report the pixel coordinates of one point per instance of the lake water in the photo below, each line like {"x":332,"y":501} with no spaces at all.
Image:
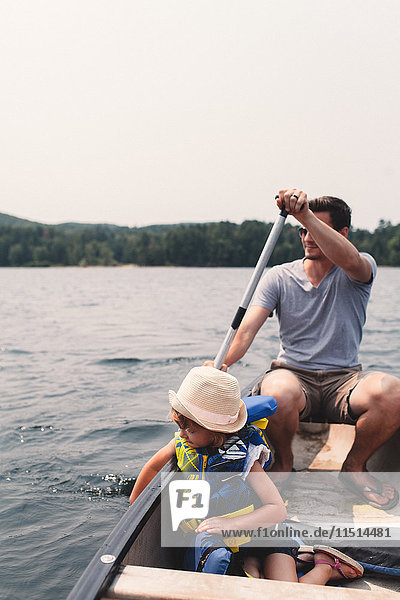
{"x":87,"y":357}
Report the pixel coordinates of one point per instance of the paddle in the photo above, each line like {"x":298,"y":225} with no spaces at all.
{"x":258,"y":271}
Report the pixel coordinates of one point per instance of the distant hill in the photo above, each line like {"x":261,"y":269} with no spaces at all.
{"x":166,"y":227}
{"x":80,"y":226}
{"x":11,"y":221}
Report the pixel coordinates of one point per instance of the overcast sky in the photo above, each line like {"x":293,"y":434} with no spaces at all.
{"x":164,"y":111}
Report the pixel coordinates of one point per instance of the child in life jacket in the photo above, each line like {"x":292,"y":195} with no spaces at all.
{"x":214,"y":437}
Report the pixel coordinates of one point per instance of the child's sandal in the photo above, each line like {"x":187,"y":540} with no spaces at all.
{"x":336,"y":566}
{"x":340,"y":559}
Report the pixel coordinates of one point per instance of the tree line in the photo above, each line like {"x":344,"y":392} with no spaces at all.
{"x":223,"y":244}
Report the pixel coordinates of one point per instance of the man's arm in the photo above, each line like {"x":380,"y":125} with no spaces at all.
{"x":334,"y":244}
{"x":254,"y":318}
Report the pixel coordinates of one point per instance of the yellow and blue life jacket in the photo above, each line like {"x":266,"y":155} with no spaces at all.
{"x":229,"y":495}
{"x":208,"y":552}
{"x":231,"y":456}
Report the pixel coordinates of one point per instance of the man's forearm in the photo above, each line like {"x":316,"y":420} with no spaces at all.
{"x":336,"y":247}
{"x":253,"y":320}
{"x":235,"y":353}
{"x":239,"y":347}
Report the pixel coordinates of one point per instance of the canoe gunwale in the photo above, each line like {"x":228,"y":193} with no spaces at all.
{"x":98,"y":575}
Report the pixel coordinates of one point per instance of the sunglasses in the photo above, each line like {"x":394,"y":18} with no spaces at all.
{"x":303,"y":231}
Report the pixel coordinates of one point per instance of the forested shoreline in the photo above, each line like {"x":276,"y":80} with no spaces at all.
{"x":223,"y":244}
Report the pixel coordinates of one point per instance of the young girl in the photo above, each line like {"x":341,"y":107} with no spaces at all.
{"x":214,"y":437}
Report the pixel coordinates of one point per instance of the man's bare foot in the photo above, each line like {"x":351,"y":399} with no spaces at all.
{"x":370,"y":489}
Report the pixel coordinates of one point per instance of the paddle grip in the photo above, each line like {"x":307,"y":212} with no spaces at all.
{"x":284,"y":213}
{"x":241,"y":311}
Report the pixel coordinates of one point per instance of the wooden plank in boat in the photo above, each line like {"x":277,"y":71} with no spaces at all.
{"x":324,"y":447}
{"x":135,"y":582}
{"x":335,"y":449}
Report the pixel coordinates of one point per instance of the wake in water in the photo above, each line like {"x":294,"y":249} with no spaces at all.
{"x":151,"y":361}
{"x":109,"y":485}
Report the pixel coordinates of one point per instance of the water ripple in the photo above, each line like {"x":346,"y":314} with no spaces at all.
{"x":118,"y":361}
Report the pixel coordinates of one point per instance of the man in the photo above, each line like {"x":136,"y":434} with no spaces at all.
{"x":321,"y":305}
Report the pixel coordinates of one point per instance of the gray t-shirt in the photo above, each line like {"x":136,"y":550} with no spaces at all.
{"x":319,"y":327}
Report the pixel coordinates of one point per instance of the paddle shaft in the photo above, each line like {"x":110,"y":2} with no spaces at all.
{"x":258,"y":271}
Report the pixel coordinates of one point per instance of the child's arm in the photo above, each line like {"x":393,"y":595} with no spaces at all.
{"x":151,"y":468}
{"x":273,"y":509}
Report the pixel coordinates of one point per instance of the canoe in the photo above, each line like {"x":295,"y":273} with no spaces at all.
{"x":132,"y":563}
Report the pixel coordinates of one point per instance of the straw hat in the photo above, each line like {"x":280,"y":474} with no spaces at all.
{"x":211,"y":398}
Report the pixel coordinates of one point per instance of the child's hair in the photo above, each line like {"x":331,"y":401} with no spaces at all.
{"x":184,"y":422}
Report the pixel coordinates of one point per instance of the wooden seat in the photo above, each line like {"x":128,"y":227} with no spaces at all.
{"x":135,"y":582}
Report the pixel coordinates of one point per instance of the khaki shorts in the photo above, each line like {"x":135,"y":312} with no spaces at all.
{"x":327,"y":392}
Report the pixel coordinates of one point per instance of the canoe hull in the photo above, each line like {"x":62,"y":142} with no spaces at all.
{"x":135,"y":542}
